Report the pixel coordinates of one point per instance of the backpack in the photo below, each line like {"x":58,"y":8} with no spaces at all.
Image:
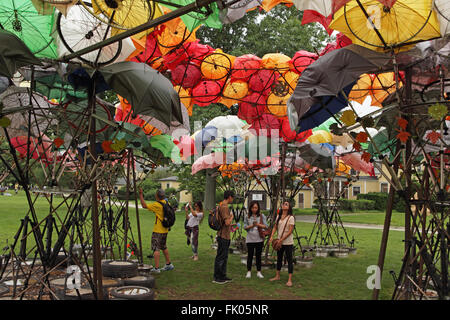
{"x":168,"y":215}
{"x":214,"y":220}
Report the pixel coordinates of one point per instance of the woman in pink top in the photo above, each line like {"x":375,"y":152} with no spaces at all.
{"x":284,"y":227}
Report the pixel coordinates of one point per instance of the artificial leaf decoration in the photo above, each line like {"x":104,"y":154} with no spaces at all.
{"x":118,"y":145}
{"x":403,"y":136}
{"x":106,"y":146}
{"x":362,"y":137}
{"x":58,"y":142}
{"x":334,"y":129}
{"x":366,"y":157}
{"x":357,"y":146}
{"x":437,"y":111}
{"x":348,"y":117}
{"x":433,"y":136}
{"x":402,"y":123}
{"x":5,"y":122}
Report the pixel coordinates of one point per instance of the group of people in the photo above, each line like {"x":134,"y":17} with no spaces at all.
{"x":255,"y":223}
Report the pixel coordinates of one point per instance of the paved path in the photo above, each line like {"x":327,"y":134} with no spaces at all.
{"x":312,"y":219}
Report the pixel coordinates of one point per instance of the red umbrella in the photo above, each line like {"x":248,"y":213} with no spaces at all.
{"x":290,"y":135}
{"x":40,"y":147}
{"x":187,"y":75}
{"x":252,"y":107}
{"x":246,"y":65}
{"x":206,"y":92}
{"x":310,"y":16}
{"x":262,"y":81}
{"x":197,"y":51}
{"x":264,"y":124}
{"x":175,"y":57}
{"x":301,"y":60}
{"x":341,"y":41}
{"x":151,"y":52}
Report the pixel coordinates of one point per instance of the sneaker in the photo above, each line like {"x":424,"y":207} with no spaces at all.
{"x":249,"y":275}
{"x":259,"y":275}
{"x":219,"y":281}
{"x":227,"y":279}
{"x":195,"y":258}
{"x":155,"y":270}
{"x":168,"y":267}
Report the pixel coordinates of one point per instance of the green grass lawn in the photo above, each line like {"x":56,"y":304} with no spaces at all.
{"x":330,"y":278}
{"x":397,"y":218}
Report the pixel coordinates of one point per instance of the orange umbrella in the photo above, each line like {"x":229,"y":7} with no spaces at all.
{"x":172,"y":34}
{"x":277,"y":61}
{"x":233,"y":92}
{"x":185,"y":98}
{"x":276,"y":105}
{"x":379,"y":87}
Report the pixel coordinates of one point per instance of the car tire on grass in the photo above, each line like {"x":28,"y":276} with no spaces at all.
{"x":141,"y":281}
{"x":119,"y":269}
{"x":133,"y":293}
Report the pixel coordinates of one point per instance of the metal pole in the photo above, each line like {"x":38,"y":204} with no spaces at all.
{"x":125,"y":217}
{"x":98,"y":277}
{"x":141,"y":254}
{"x":148,"y":25}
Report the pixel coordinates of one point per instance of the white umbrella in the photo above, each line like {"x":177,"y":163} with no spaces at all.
{"x":442,"y":7}
{"x":324,"y":7}
{"x":238,"y":10}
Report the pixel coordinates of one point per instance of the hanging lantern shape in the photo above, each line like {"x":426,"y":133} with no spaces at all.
{"x":246,"y":65}
{"x":206,"y":92}
{"x":216,"y":66}
{"x":186,"y":75}
{"x":252,"y":107}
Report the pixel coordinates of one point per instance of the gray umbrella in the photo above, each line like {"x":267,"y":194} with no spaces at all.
{"x":317,"y":155}
{"x":147,"y":90}
{"x":14,"y":54}
{"x":321,"y":82}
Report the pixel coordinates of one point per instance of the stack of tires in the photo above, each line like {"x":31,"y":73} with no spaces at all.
{"x":132,"y":285}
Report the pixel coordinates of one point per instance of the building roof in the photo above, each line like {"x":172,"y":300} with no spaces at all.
{"x":174,"y":178}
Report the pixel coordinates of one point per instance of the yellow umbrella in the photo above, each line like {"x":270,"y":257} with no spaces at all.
{"x":126,"y":14}
{"x":217,"y":65}
{"x":173,"y":34}
{"x":379,"y":87}
{"x":233,"y":92}
{"x":290,"y":79}
{"x":342,"y":168}
{"x":185,"y":98}
{"x":320,"y":136}
{"x":406,"y":22}
{"x":275,"y":61}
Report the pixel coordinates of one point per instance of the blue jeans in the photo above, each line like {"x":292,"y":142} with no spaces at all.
{"x":220,"y":263}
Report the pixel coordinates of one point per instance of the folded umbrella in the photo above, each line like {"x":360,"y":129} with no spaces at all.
{"x":317,"y":155}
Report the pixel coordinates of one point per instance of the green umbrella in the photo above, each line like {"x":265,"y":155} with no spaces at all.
{"x":147,"y":90}
{"x":326,"y":125}
{"x":208,"y":16}
{"x":14,"y":54}
{"x":53,"y":87}
{"x":164,"y":143}
{"x":21,"y":18}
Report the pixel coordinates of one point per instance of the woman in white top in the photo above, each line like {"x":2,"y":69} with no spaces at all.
{"x":284,"y":227}
{"x":194,"y":218}
{"x":254,"y":221}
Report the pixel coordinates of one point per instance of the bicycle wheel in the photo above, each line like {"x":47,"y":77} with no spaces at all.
{"x":79,"y":29}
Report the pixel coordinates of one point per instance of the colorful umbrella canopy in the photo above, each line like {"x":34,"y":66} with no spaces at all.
{"x":165,"y":144}
{"x":442,"y":8}
{"x":205,"y":136}
{"x":290,"y":135}
{"x":277,"y":61}
{"x":252,"y":107}
{"x":383,"y":31}
{"x":301,"y":60}
{"x":14,"y":54}
{"x":377,"y":86}
{"x":233,"y":92}
{"x":216,"y":66}
{"x":262,"y":81}
{"x":21,"y":18}
{"x":209,"y":161}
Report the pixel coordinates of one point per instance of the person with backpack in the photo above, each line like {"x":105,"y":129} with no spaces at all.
{"x":225,"y":218}
{"x":255,"y":223}
{"x":165,"y":218}
{"x":194,"y":218}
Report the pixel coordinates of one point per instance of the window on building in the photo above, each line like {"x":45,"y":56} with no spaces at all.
{"x":168,"y":185}
{"x":301,"y":200}
{"x":385,"y":187}
{"x":356,"y":191}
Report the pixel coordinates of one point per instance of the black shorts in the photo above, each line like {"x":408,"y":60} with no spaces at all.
{"x":159,"y":241}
